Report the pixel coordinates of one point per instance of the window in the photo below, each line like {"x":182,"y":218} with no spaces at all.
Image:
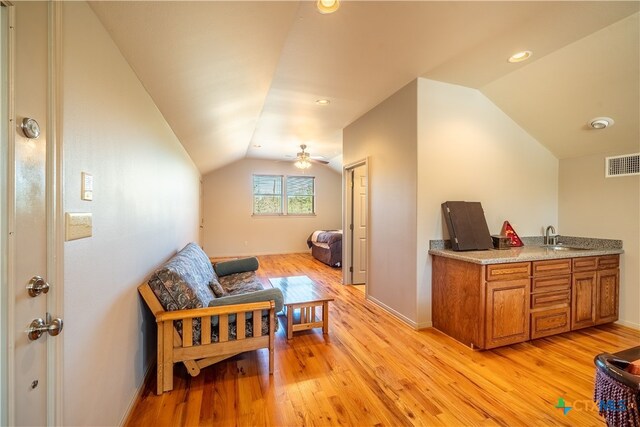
{"x":267,"y":194}
{"x":300,"y":195}
{"x":298,"y":192}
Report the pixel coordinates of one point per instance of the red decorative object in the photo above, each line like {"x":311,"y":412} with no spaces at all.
{"x":507,"y":230}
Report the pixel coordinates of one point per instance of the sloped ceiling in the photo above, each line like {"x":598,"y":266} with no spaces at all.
{"x":555,"y":97}
{"x":236,"y":79}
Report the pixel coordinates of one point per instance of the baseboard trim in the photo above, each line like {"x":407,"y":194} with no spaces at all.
{"x":628,"y":324}
{"x":151,"y":369}
{"x":425,"y":325}
{"x":257,"y":253}
{"x":395,"y":313}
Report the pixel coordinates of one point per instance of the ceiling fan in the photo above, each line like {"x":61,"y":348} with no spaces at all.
{"x":303,"y":159}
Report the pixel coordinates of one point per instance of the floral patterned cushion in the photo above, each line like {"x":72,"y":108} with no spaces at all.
{"x":188,"y":281}
{"x":217,"y":289}
{"x":241,"y":283}
{"x":248,"y":329}
{"x":183,"y":282}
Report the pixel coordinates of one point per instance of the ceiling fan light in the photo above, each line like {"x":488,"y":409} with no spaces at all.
{"x":327,"y":6}
{"x":302,"y":164}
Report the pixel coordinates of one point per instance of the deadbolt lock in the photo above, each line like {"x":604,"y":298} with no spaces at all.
{"x":37,"y":285}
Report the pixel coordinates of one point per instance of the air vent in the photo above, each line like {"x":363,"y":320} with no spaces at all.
{"x":628,"y":164}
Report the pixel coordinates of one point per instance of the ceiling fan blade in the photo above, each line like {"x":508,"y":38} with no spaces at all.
{"x":322,"y":162}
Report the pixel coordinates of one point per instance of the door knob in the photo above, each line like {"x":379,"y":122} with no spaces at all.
{"x":37,"y":286}
{"x":39,"y":326}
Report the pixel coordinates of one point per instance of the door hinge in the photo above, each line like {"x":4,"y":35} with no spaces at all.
{"x":350,"y":269}
{"x":350,"y":226}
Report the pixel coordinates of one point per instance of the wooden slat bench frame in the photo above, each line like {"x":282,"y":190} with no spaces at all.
{"x":174,"y":349}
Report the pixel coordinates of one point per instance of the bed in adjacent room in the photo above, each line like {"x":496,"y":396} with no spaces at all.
{"x":326,"y":246}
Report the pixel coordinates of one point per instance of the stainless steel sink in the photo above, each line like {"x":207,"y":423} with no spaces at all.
{"x":563,"y":248}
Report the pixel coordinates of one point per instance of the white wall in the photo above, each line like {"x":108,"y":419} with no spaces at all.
{"x":145,"y":207}
{"x":470,"y":150}
{"x":387,"y":135}
{"x":595,"y":206}
{"x":231,"y":230}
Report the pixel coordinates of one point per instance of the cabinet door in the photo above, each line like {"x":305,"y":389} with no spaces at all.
{"x":583,"y":297}
{"x":507,"y":312}
{"x":607,"y":296}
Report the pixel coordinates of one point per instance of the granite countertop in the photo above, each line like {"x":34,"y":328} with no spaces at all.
{"x":531,"y":251}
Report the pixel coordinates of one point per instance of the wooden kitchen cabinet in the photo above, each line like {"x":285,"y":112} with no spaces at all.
{"x":583,"y":298}
{"x":595,"y":291}
{"x":488,"y":306}
{"x":482,"y":306}
{"x":507,"y":312}
{"x":606,"y":303}
{"x":550,"y":297}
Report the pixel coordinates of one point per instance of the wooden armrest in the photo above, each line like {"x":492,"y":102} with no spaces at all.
{"x":214,"y":311}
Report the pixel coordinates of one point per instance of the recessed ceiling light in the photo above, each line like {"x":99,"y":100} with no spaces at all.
{"x":323,"y":102}
{"x":520,"y":56}
{"x":327,"y":6}
{"x":601,"y":122}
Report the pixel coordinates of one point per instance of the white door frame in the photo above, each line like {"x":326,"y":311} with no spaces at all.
{"x":6,"y":205}
{"x":55,"y":213}
{"x":55,"y":226}
{"x":347,"y":236}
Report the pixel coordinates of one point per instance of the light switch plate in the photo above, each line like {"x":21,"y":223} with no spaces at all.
{"x":87,"y":187}
{"x":78,"y":226}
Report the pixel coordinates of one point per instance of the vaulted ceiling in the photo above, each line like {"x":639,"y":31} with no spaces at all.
{"x":241,"y":79}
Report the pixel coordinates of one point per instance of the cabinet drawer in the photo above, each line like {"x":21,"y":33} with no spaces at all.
{"x":585,"y":264}
{"x":550,"y":322}
{"x":549,"y":299}
{"x":516,"y":270}
{"x":609,"y":261}
{"x":553,"y":266}
{"x":551,"y":283}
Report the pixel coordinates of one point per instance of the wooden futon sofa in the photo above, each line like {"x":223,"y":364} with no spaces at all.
{"x":202,"y":318}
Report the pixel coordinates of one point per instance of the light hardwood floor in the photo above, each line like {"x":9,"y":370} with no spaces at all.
{"x":372,"y":369}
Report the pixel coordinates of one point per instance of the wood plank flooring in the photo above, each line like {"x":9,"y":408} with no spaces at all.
{"x":372,"y":369}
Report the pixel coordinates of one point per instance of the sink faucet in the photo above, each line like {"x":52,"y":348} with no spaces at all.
{"x":549,"y":239}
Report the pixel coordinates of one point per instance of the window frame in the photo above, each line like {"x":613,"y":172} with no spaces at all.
{"x":284,"y":196}
{"x":253,"y":195}
{"x":313,"y":195}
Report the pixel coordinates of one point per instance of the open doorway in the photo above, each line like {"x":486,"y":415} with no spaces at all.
{"x":356,"y":220}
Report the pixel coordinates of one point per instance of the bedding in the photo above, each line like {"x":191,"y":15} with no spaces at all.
{"x":326,"y":246}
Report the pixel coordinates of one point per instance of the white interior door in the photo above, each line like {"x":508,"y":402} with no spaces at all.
{"x":28,"y":208}
{"x":360,"y":221}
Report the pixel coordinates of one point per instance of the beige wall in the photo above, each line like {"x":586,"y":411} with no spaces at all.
{"x":231,"y":230}
{"x":387,"y":136}
{"x":595,"y":206}
{"x":429,"y":143}
{"x":470,"y":150}
{"x":145,"y":207}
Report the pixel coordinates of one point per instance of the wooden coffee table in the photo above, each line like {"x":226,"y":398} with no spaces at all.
{"x":305,"y":307}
